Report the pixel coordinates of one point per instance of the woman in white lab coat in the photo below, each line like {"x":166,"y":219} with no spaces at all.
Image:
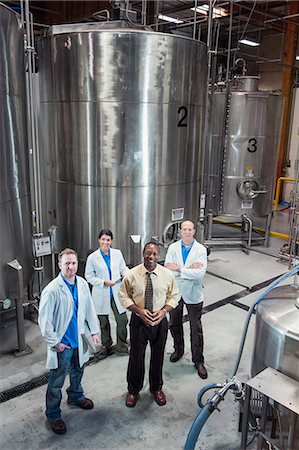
{"x":104,"y":270}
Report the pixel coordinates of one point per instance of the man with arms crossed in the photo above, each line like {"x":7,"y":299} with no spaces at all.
{"x":150,"y":292}
{"x":66,"y":315}
{"x":187,"y":259}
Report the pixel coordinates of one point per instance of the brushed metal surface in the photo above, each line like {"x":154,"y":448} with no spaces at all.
{"x":15,"y":222}
{"x":277,"y":333}
{"x":252,"y":137}
{"x":278,"y":387}
{"x":114,"y":155}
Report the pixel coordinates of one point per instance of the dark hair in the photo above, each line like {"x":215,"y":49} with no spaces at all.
{"x":67,"y":251}
{"x":151,"y":243}
{"x":105,"y":232}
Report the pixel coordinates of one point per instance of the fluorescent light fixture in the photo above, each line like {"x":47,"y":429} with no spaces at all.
{"x":297,"y":58}
{"x":170,"y":19}
{"x":217,"y":12}
{"x":250,"y":42}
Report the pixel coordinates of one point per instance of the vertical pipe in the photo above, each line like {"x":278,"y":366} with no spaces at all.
{"x":32,"y":127}
{"x":207,"y":127}
{"x":20,"y":313}
{"x":245,"y":417}
{"x":292,"y":431}
{"x":210,"y":226}
{"x":249,"y":222}
{"x":157,"y":15}
{"x":143,"y":12}
{"x":229,"y":42}
{"x":194,"y":19}
{"x":53,"y":265}
{"x":267,"y":229}
{"x":22,"y":12}
{"x":262,"y":422}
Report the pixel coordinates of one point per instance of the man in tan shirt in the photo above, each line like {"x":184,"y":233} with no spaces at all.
{"x":144,"y":284}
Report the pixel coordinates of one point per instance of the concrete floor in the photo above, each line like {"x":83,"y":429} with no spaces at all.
{"x":110,"y":425}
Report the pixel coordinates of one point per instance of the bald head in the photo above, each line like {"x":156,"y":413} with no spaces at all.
{"x":187,"y":230}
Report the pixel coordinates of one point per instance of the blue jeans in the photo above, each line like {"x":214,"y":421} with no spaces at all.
{"x":67,"y":360}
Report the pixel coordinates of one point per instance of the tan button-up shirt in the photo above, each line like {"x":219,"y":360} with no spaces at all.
{"x":132,"y":288}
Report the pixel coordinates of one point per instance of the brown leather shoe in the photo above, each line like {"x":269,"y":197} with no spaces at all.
{"x":159,"y":398}
{"x":58,"y":426}
{"x":176,"y":356}
{"x":131,"y":400}
{"x":202,"y":371}
{"x":86,"y":403}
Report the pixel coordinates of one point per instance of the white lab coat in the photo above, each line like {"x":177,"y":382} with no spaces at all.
{"x":189,"y":280}
{"x":96,"y":271}
{"x":55,"y":313}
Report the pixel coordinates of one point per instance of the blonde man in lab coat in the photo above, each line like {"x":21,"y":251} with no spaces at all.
{"x":104,"y":270}
{"x":187,"y":259}
{"x":67,"y":319}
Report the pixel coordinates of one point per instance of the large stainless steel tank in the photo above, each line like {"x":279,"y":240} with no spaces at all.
{"x":277,"y":332}
{"x":15,"y":217}
{"x":122,"y":113}
{"x":241,"y":156}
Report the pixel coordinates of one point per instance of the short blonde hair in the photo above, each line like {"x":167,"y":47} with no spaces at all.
{"x":67,"y":251}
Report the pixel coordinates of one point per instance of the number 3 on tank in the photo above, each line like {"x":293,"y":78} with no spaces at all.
{"x":183,"y":113}
{"x":252,"y":145}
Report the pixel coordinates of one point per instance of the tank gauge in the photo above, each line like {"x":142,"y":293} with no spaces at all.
{"x":6,"y":303}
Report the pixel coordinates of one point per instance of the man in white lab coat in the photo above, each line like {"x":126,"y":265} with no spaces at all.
{"x":67,"y":319}
{"x":187,"y":259}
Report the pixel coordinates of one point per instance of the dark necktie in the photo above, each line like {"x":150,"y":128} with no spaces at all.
{"x":149,"y":293}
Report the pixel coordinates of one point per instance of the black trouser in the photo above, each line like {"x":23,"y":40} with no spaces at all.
{"x":140,"y":335}
{"x":196,"y":334}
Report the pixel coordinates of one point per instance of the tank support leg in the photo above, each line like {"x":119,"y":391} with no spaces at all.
{"x":245,"y":417}
{"x":249,"y":222}
{"x":22,"y":349}
{"x":267,"y":229}
{"x":210,"y":225}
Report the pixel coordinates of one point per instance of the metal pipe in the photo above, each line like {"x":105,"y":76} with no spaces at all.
{"x":194,"y":19}
{"x":157,"y":14}
{"x":283,"y":18}
{"x":246,"y":409}
{"x":22,"y":12}
{"x":245,"y":27}
{"x":204,"y":390}
{"x":267,"y":229}
{"x":292,"y":431}
{"x":249,"y":222}
{"x":97,"y":14}
{"x":143,"y":12}
{"x":278,"y":187}
{"x":32,"y":122}
{"x":20,"y":313}
{"x":229,"y":42}
{"x":210,"y":226}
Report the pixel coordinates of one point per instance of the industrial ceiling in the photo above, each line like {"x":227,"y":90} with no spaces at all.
{"x":232,"y":20}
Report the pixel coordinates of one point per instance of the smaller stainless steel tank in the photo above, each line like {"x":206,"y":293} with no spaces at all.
{"x":277,"y":333}
{"x":241,"y":151}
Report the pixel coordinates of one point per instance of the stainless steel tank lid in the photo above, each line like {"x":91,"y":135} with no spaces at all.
{"x":115,"y":26}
